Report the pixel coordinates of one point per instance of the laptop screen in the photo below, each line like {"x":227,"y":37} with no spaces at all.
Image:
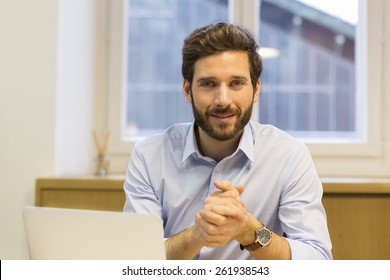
{"x":56,"y":233}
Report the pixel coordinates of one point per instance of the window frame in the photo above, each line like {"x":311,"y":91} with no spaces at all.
{"x":367,"y":158}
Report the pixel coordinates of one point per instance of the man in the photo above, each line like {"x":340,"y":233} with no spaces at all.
{"x":227,"y":187}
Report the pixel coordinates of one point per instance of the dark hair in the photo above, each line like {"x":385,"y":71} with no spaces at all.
{"x":216,"y":38}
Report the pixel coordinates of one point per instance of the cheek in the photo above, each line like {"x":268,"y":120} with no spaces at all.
{"x":242,"y":102}
{"x":250,"y":99}
{"x":200,"y":101}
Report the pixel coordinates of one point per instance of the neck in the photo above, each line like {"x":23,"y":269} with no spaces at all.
{"x":213,"y":148}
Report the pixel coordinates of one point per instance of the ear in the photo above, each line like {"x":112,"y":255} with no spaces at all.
{"x":256,"y":93}
{"x":187,"y":91}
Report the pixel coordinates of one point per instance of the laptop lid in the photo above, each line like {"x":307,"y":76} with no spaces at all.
{"x":56,"y":233}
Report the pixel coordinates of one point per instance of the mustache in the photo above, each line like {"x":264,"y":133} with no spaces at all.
{"x":223,"y":111}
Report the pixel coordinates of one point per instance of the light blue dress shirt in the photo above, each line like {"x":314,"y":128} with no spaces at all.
{"x":167,"y":176}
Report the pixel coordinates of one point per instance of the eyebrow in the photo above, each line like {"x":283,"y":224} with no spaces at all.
{"x":241,"y":78}
{"x":234,"y":77}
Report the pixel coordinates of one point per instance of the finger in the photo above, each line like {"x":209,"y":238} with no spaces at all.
{"x":202,"y":235}
{"x":207,"y":228}
{"x":229,"y":200}
{"x":217,"y":214}
{"x":225,"y":185}
{"x":211,"y":235}
{"x":226,"y":194}
{"x":213,"y":217}
{"x":240,"y":189}
{"x":214,"y":236}
{"x":227,"y":197}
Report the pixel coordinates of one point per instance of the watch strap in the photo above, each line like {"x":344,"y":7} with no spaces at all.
{"x":251,"y":247}
{"x":255,"y":245}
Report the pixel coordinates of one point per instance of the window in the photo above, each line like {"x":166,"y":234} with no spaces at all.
{"x":315,"y":88}
{"x":156,"y":30}
{"x":309,"y":88}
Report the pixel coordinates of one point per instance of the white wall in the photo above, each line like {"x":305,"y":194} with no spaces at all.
{"x":48,"y":78}
{"x":27,"y":98}
{"x":76,"y":88}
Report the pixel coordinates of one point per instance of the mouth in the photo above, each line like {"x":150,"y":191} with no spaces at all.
{"x":225,"y":116}
{"x":222,"y":117}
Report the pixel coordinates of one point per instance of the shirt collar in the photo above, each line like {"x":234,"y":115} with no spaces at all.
{"x":190,"y":146}
{"x":246,"y":144}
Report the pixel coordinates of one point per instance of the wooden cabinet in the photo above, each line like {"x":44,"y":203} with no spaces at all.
{"x":94,"y":193}
{"x":358,"y":211}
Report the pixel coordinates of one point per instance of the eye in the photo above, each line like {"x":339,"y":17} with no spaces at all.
{"x":207,"y":84}
{"x":237,"y":83}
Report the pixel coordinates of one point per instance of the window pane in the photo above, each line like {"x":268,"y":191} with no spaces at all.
{"x":157,"y":29}
{"x":309,"y":88}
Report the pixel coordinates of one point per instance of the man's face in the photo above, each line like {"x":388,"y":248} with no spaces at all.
{"x":222,"y":94}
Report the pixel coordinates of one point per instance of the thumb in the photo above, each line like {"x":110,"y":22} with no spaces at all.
{"x":225,"y":185}
{"x":240,"y":189}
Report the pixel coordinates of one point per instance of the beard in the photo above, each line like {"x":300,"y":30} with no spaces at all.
{"x":222,"y":132}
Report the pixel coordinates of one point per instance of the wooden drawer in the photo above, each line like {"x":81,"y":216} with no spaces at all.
{"x":94,"y":193}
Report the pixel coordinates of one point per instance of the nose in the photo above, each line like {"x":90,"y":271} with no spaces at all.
{"x":222,"y":98}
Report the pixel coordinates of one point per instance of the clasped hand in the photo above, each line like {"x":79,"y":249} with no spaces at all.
{"x":223,"y":216}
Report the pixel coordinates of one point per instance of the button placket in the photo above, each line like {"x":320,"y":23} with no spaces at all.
{"x":217,"y":175}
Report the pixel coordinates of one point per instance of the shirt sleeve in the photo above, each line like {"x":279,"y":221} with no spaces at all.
{"x":141,"y":197}
{"x":301,"y":212}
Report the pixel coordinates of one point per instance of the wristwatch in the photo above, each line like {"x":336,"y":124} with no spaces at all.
{"x":263,"y":238}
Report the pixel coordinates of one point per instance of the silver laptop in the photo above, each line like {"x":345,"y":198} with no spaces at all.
{"x":54,"y":233}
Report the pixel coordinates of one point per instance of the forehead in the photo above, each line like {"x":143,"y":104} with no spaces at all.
{"x":227,"y":63}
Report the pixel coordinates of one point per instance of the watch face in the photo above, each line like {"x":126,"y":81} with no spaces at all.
{"x":264,"y":236}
